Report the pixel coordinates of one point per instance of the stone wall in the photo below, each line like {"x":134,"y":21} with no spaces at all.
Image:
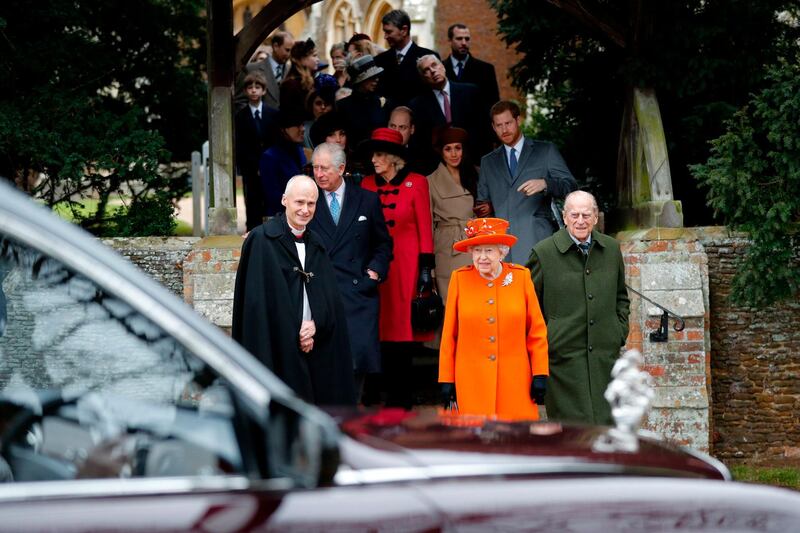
{"x":209,"y":276}
{"x":749,"y":359}
{"x":670,"y":267}
{"x":755,"y":365}
{"x":160,"y":257}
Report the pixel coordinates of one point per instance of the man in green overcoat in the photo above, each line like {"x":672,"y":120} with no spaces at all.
{"x":579,"y":278}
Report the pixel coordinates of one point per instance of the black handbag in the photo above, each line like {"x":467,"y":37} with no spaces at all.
{"x":427,"y":312}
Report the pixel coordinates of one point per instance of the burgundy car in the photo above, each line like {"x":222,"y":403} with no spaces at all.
{"x":122,"y":409}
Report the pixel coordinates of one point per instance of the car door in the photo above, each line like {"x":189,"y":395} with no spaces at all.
{"x":106,"y":375}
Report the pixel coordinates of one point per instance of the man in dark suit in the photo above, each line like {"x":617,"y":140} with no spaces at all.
{"x":519,"y":180}
{"x":463,"y":67}
{"x":443,"y":103}
{"x":352,"y":228}
{"x":271,"y":69}
{"x":255,"y":128}
{"x":399,"y":82}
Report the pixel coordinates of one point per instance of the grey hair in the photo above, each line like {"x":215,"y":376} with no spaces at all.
{"x":396,"y":160}
{"x":341,"y":45}
{"x":338,"y":157}
{"x":298,"y":180}
{"x":574,"y":195}
{"x":425,"y":57}
{"x":504,"y":249}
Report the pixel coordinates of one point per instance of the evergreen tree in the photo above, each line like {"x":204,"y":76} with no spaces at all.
{"x":96,"y":97}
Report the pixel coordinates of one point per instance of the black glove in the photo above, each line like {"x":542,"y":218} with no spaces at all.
{"x":538,"y":389}
{"x":448,"y":394}
{"x":426,"y":266}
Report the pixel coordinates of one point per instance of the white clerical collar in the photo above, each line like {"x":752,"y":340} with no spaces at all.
{"x":295,"y":232}
{"x":518,"y":146}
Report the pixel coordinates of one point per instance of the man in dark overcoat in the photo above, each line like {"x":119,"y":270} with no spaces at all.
{"x":350,"y":222}
{"x":579,"y":278}
{"x":444,"y":104}
{"x":286,"y":307}
{"x":399,"y":83}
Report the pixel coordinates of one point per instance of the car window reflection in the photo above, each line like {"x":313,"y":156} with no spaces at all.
{"x":97,"y":389}
{"x":63,"y":331}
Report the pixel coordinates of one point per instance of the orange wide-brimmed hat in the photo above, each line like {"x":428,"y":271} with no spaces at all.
{"x":485,"y":231}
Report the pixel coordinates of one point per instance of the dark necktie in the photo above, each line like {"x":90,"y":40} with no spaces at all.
{"x":399,"y":58}
{"x":257,"y":118}
{"x":512,"y":161}
{"x":279,"y":73}
{"x":459,"y":70}
{"x":584,"y":248}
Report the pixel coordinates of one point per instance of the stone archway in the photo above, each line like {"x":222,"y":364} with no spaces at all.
{"x":344,"y":19}
{"x":372,"y":23}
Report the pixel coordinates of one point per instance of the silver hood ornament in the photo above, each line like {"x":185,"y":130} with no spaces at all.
{"x":630,"y":394}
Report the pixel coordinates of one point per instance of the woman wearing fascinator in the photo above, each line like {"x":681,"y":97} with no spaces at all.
{"x":493,"y":355}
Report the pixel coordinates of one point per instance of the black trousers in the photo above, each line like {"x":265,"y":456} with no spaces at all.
{"x":398,"y":379}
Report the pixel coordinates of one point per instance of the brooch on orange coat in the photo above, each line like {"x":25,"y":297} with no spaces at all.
{"x":508,"y":279}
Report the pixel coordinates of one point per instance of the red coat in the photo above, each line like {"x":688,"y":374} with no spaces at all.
{"x":406,"y":208}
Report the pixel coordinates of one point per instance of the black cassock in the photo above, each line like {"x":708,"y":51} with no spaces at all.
{"x":268,"y":308}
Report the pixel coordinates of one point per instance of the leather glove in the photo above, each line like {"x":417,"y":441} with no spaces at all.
{"x":427,"y":263}
{"x":448,"y":394}
{"x":538,"y":389}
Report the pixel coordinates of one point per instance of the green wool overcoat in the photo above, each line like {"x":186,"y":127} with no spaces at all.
{"x":585,"y":305}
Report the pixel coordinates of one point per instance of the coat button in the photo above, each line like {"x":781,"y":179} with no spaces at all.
{"x":490,"y":320}
{"x":490,"y":301}
{"x":355,"y":282}
{"x":588,"y":271}
{"x":490,"y":284}
{"x":492,"y":357}
{"x":591,"y":322}
{"x":590,"y":296}
{"x":590,"y":347}
{"x":491,"y":339}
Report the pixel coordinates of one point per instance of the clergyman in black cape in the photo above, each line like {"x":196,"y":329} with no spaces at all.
{"x":271,"y":309}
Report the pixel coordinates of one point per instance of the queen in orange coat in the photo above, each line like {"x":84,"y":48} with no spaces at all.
{"x":493,"y":355}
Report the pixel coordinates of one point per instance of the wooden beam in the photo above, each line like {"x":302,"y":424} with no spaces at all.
{"x":222,"y":213}
{"x":269,"y":18}
{"x":594,"y":16}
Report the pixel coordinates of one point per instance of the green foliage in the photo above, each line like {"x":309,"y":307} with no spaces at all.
{"x":96,"y":97}
{"x":703,"y":59}
{"x":753,"y":177}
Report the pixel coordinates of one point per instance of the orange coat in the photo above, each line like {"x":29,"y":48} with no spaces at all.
{"x":494,"y":340}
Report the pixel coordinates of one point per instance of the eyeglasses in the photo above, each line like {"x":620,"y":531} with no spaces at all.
{"x":575,"y":216}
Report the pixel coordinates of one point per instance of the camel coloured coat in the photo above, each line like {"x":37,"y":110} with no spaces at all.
{"x":494,"y":340}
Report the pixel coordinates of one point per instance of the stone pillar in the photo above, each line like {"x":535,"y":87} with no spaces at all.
{"x":670,"y":267}
{"x":209,"y":276}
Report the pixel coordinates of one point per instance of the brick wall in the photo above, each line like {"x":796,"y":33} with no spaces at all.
{"x":487,"y":45}
{"x":670,"y":267}
{"x":755,"y":365}
{"x":209,"y":276}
